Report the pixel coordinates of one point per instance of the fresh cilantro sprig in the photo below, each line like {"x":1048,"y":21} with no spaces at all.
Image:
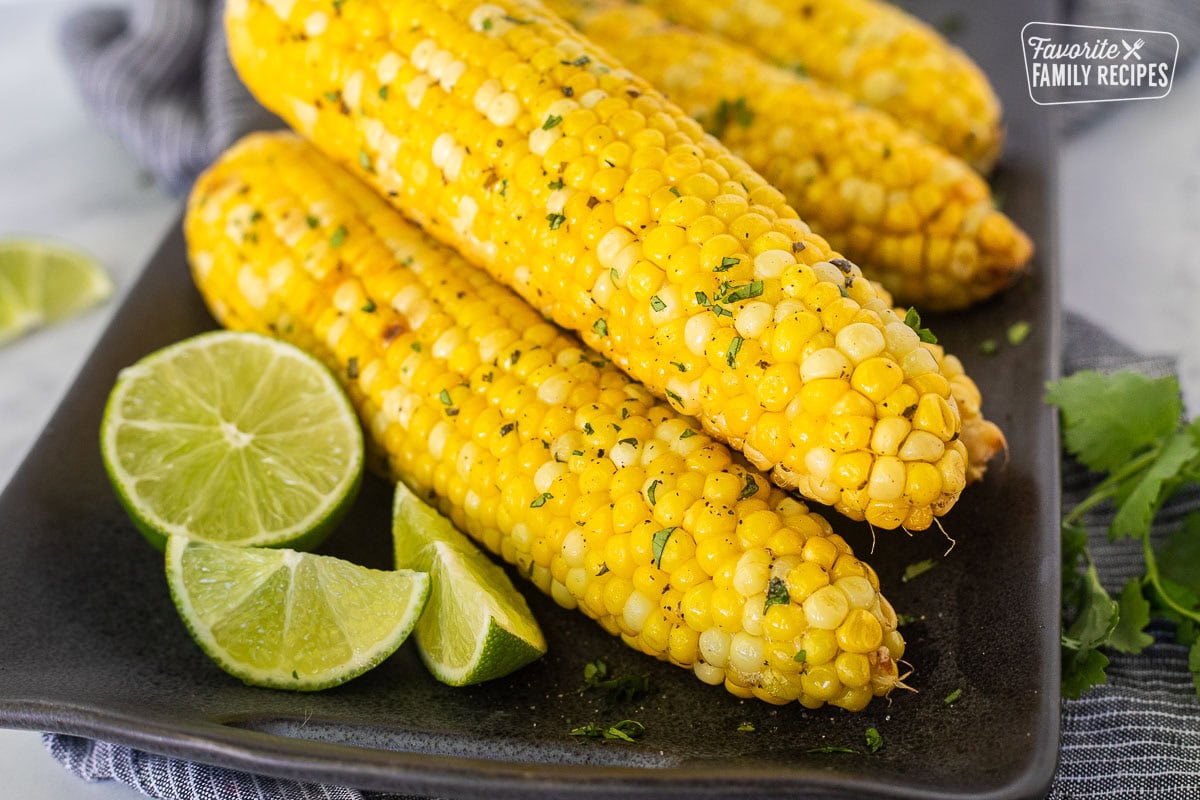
{"x":1130,"y":428}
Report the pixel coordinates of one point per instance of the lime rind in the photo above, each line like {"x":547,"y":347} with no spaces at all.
{"x":477,"y":627}
{"x":283,"y":619}
{"x":165,"y":447}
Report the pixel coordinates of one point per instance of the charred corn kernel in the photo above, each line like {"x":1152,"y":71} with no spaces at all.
{"x":875,"y":190}
{"x":393,"y":321}
{"x":873,"y":51}
{"x":468,"y":164}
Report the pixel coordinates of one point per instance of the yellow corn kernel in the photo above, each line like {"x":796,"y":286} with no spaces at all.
{"x":492,"y":434}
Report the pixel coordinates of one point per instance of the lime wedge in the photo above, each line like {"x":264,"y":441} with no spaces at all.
{"x":289,"y":620}
{"x":43,"y":282}
{"x":477,"y":626}
{"x":234,"y":438}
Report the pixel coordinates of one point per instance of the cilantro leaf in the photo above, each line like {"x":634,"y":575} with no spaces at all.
{"x":1179,"y":558}
{"x":913,"y":320}
{"x":1107,"y":419}
{"x":1129,"y":635}
{"x":1083,"y":673}
{"x":1136,"y":508}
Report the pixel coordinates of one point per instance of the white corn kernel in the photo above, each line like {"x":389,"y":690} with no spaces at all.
{"x":753,"y":318}
{"x":922,"y":446}
{"x":887,"y":479}
{"x":714,"y":647}
{"x":713,"y":676}
{"x":828,"y":362}
{"x":860,"y":341}
{"x":746,"y":653}
{"x":901,"y":339}
{"x":546,"y":474}
{"x":772,"y":263}
{"x":698,"y":330}
{"x":858,"y":591}
{"x":826,"y":608}
{"x":918,"y":361}
{"x":637,"y":609}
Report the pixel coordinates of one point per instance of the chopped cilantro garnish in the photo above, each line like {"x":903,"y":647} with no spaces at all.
{"x":735,"y":345}
{"x":689,"y":433}
{"x":752,"y":289}
{"x":916,"y":569}
{"x":369,"y":307}
{"x":383,"y":92}
{"x":874,"y":740}
{"x":777,"y":594}
{"x":830,"y":749}
{"x":727,"y":263}
{"x":1018,"y":332}
{"x":674,"y":191}
{"x":364,"y":161}
{"x":657,"y":304}
{"x":659,"y":542}
{"x":551,"y":121}
{"x":338,"y":236}
{"x":749,"y":489}
{"x":651,"y":489}
{"x":913,"y":320}
{"x":800,"y":657}
{"x":555,"y":185}
{"x":627,"y":730}
{"x":953,"y":697}
{"x":312,"y":221}
{"x":988,"y":347}
{"x":555,"y":220}
{"x":746,"y":727}
{"x":600,"y":327}
{"x":541,"y":500}
{"x":444,"y":396}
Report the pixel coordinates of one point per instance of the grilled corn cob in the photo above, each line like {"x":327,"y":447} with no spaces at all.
{"x":916,"y":219}
{"x":551,"y":457}
{"x":877,"y":53}
{"x":508,"y":135}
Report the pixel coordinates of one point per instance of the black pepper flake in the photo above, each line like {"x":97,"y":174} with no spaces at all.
{"x":908,"y":412}
{"x":841,"y":264}
{"x":633,"y":93}
{"x":506,"y":429}
{"x":514,"y":357}
{"x":603,"y":569}
{"x":798,"y":247}
{"x":592,"y":202}
{"x":568,"y":91}
{"x":352,"y":368}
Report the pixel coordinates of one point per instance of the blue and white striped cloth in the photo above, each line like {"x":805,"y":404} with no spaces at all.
{"x":157,"y":76}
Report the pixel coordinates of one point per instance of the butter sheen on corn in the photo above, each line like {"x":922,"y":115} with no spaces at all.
{"x":605,"y":498}
{"x":917,"y":219}
{"x":509,"y":136}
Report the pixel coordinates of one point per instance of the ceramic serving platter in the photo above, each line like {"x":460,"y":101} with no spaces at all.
{"x":90,"y":643}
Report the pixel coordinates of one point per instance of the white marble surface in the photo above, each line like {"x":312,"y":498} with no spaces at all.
{"x":1130,"y":227}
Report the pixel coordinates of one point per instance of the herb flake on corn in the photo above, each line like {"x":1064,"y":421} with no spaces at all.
{"x":651,"y":206}
{"x":917,"y":219}
{"x":873,"y":51}
{"x":537,"y":447}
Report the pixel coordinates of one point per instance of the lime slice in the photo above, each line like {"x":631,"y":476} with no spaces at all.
{"x":477,"y":626}
{"x":290,"y":620}
{"x":43,"y":282}
{"x":234,"y":438}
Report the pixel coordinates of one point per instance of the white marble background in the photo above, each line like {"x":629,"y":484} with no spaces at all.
{"x":1129,"y":222}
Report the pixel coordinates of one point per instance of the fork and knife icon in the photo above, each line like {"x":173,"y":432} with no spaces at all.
{"x":1132,"y":49}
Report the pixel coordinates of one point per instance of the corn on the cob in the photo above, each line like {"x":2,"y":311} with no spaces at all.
{"x":875,"y":52}
{"x":550,"y":456}
{"x":507,"y":135}
{"x":916,"y":219}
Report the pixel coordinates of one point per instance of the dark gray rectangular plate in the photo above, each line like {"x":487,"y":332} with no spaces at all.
{"x":90,"y":643}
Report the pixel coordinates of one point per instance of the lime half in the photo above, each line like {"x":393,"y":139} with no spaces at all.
{"x":234,"y":438}
{"x":477,"y":626}
{"x":288,"y":620}
{"x":43,"y":282}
